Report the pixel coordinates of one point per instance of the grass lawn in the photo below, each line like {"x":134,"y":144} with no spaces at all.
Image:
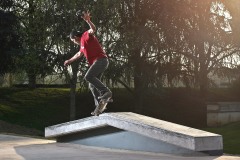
{"x":231,"y":137}
{"x":44,"y":107}
{"x":34,"y":108}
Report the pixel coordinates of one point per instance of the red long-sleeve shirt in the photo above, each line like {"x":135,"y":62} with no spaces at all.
{"x":91,"y":48}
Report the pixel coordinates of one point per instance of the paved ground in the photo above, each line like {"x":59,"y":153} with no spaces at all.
{"x":24,"y":148}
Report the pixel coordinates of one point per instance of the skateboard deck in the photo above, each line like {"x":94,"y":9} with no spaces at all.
{"x":101,"y":107}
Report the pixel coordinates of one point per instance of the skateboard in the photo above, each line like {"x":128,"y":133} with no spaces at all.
{"x":102,"y":106}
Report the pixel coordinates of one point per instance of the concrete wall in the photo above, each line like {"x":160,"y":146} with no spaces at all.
{"x":111,"y":137}
{"x":221,"y":113}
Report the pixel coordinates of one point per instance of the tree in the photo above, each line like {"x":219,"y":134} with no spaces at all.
{"x":208,"y":44}
{"x":151,"y":43}
{"x":38,"y":57}
{"x":233,"y":6}
{"x":131,"y":45}
{"x":64,"y":20}
{"x":174,"y":40}
{"x":9,"y":39}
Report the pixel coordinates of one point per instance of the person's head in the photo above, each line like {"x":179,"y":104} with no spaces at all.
{"x":75,"y":36}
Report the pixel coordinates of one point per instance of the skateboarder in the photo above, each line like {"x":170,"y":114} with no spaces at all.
{"x":96,"y":57}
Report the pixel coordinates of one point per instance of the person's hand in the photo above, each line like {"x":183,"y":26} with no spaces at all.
{"x":66,"y":63}
{"x":86,"y":16}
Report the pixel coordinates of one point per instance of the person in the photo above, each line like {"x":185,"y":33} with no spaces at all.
{"x":96,"y":57}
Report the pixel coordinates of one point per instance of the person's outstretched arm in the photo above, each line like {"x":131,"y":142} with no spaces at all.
{"x":86,"y":16}
{"x":74,"y":58}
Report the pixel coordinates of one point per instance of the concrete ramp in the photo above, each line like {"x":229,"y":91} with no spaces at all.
{"x":132,"y":131}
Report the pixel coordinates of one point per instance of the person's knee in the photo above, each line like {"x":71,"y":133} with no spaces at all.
{"x":88,"y":77}
{"x":91,"y":87}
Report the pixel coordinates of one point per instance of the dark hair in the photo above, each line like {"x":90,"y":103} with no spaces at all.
{"x":75,"y":34}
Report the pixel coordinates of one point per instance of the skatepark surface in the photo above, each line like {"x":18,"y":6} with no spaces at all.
{"x":14,"y":147}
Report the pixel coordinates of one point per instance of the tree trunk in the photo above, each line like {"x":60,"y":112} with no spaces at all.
{"x":73,"y":83}
{"x":31,"y":70}
{"x":139,"y":94}
{"x":10,"y":79}
{"x":72,"y":101}
{"x":203,"y":83}
{"x":203,"y":79}
{"x":139,"y":89}
{"x":32,"y":80}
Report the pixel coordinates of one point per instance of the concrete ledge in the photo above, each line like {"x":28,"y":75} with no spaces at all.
{"x":221,"y":113}
{"x":166,"y":132}
{"x":75,"y":126}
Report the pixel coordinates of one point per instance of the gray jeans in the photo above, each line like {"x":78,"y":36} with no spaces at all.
{"x":94,"y":75}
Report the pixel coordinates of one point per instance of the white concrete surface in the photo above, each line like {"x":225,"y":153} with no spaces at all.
{"x":186,"y":137}
{"x":14,"y":147}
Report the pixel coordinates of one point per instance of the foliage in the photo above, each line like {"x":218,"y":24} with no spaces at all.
{"x":147,"y":41}
{"x":9,"y":40}
{"x":163,"y":43}
{"x":203,"y":44}
{"x":150,"y":44}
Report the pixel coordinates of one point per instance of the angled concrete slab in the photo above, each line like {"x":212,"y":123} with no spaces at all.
{"x":136,"y":132}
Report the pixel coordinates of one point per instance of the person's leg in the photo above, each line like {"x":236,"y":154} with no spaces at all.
{"x":95,"y":92}
{"x":92,"y":76}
